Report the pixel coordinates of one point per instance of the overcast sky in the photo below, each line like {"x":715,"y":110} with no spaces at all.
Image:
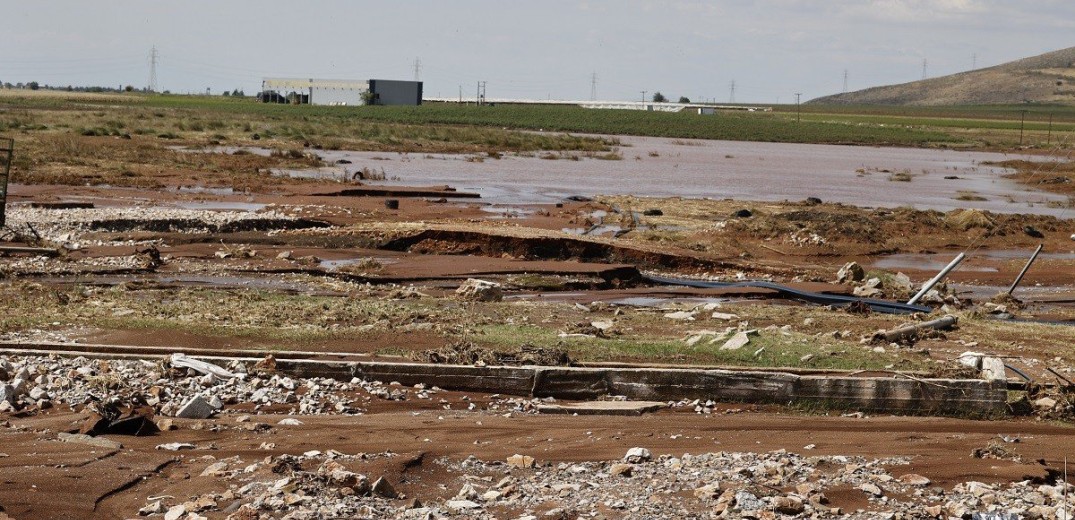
{"x":771,"y":49}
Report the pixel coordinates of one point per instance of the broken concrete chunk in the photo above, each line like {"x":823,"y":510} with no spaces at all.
{"x":7,"y":393}
{"x":175,"y":446}
{"x":871,"y":489}
{"x":480,"y":290}
{"x":382,"y":487}
{"x":637,"y":455}
{"x":725,"y":316}
{"x":739,"y":340}
{"x":184,"y":361}
{"x":912,"y":479}
{"x":680,"y":315}
{"x":460,"y":506}
{"x":196,"y":408}
{"x":521,"y":461}
{"x":850,"y":272}
{"x":993,"y":369}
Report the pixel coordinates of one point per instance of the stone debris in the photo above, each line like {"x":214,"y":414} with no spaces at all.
{"x":196,"y":408}
{"x":739,"y":340}
{"x":850,"y":272}
{"x":637,"y":455}
{"x":480,"y":290}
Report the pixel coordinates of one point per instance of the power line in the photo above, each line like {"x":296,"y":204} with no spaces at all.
{"x":153,"y":69}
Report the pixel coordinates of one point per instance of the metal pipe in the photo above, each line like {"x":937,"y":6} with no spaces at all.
{"x":889,"y":336}
{"x":1025,"y":269}
{"x":933,"y":281}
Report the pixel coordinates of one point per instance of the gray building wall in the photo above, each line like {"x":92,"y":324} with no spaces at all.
{"x":393,"y":92}
{"x":335,"y":96}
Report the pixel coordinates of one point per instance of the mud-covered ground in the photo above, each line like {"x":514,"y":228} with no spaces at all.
{"x":189,"y":256}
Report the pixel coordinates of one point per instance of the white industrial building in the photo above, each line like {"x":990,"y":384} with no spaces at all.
{"x":340,"y":92}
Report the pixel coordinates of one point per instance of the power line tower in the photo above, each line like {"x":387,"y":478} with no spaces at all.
{"x":924,"y":76}
{"x":593,"y":86}
{"x":974,"y":61}
{"x":153,"y":55}
{"x":417,"y":68}
{"x":731,"y":96}
{"x":481,"y":93}
{"x":845,"y":80}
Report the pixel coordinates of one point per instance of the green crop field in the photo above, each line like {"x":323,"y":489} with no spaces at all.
{"x":450,"y":127}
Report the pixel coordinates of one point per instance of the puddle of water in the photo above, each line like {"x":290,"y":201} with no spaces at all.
{"x":1017,"y":254}
{"x":333,"y":265}
{"x":936,"y":262}
{"x":657,"y":167}
{"x":222,"y":206}
{"x":203,"y":190}
{"x":926,"y":262}
{"x":507,"y":212}
{"x":659,"y":302}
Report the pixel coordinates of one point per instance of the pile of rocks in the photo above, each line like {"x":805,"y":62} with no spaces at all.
{"x":68,"y":227}
{"x":42,"y":382}
{"x":712,"y":485}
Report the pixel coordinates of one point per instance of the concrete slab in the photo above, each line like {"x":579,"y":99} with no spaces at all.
{"x":603,"y":407}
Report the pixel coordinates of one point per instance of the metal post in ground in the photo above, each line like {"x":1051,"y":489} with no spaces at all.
{"x":1025,"y":269}
{"x":7,"y":149}
{"x":933,"y":281}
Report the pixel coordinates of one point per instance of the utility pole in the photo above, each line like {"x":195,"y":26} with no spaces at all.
{"x":481,"y":92}
{"x":731,"y":97}
{"x":798,"y":113}
{"x":643,"y":97}
{"x":845,"y":81}
{"x":153,"y":69}
{"x":1049,"y":136}
{"x":974,"y":61}
{"x":417,"y":68}
{"x":460,"y":94}
{"x":924,"y":68}
{"x":593,"y":86}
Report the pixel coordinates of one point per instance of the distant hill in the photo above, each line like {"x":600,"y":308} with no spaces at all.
{"x":1047,"y":78}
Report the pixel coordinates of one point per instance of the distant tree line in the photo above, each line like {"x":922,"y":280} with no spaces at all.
{"x":660,"y":98}
{"x":33,"y":85}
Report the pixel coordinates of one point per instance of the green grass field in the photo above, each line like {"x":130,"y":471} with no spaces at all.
{"x":490,"y":128}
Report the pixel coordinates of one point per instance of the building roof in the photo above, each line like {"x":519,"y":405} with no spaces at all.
{"x":306,"y":83}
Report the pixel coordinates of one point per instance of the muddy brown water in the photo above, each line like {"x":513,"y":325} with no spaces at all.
{"x":659,"y":167}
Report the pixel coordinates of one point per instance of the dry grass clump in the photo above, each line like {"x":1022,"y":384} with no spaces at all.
{"x":966,"y":219}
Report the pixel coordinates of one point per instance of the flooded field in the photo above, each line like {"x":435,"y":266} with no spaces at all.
{"x":864,"y":176}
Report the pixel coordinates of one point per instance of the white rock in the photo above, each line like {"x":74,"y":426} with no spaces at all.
{"x":680,"y":315}
{"x":636,"y":455}
{"x":459,"y":506}
{"x":739,"y":340}
{"x":196,"y":408}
